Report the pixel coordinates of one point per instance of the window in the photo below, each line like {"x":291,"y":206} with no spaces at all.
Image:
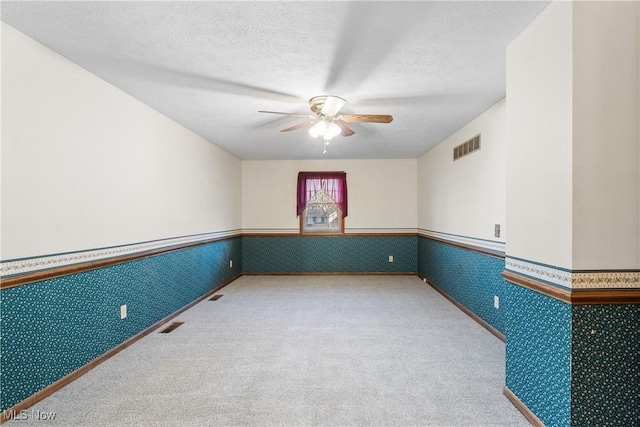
{"x":322,"y":202}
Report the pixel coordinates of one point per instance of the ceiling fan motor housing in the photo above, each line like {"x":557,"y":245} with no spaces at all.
{"x":317,"y":103}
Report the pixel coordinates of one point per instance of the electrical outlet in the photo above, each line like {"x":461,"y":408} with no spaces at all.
{"x":390,"y":258}
{"x":497,"y":230}
{"x":123,"y":311}
{"x":496,"y":301}
{"x":230,"y":263}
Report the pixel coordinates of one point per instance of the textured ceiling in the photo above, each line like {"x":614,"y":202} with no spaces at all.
{"x":211,"y":66}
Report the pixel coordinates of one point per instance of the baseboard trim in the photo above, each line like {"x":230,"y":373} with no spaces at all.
{"x":69,"y":378}
{"x":468,"y":312}
{"x":530,"y":416}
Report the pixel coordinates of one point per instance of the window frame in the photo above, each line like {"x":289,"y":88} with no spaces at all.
{"x":341,"y":177}
{"x":303,"y":217}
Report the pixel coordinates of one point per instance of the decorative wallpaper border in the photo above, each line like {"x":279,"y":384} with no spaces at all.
{"x":499,"y":248}
{"x":605,"y":280}
{"x":574,"y":279}
{"x":31,"y":265}
{"x":554,"y":275}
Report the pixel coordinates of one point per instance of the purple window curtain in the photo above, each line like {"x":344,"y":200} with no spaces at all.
{"x":333,"y":183}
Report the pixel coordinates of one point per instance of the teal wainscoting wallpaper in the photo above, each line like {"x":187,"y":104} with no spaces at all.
{"x":469,"y":277}
{"x":605,"y":365}
{"x":538,"y":353}
{"x":336,"y":254}
{"x":51,"y":328}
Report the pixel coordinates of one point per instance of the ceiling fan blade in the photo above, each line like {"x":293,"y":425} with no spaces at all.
{"x":332,"y":105}
{"x":298,"y":126}
{"x":346,"y":130}
{"x":288,"y":114}
{"x":366,"y":118}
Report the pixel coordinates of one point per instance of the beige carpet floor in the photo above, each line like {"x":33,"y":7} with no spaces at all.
{"x":301,"y":351}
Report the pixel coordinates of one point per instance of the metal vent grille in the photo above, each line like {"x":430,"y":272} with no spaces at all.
{"x":171,"y":327}
{"x":467,"y":147}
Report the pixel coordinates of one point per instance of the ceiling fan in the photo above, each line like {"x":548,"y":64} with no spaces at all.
{"x":325,"y":120}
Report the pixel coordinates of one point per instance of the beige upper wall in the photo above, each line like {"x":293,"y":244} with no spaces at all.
{"x":572,"y":127}
{"x":467,"y":196}
{"x":539,"y":134}
{"x":85,"y":165}
{"x":606,"y":120}
{"x":382,"y":193}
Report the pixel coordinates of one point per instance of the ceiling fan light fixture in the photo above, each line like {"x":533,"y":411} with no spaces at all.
{"x":326,"y":129}
{"x":319,"y":129}
{"x":332,"y":130}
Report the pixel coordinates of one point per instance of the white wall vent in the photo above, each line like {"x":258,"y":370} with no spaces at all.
{"x":467,"y":147}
